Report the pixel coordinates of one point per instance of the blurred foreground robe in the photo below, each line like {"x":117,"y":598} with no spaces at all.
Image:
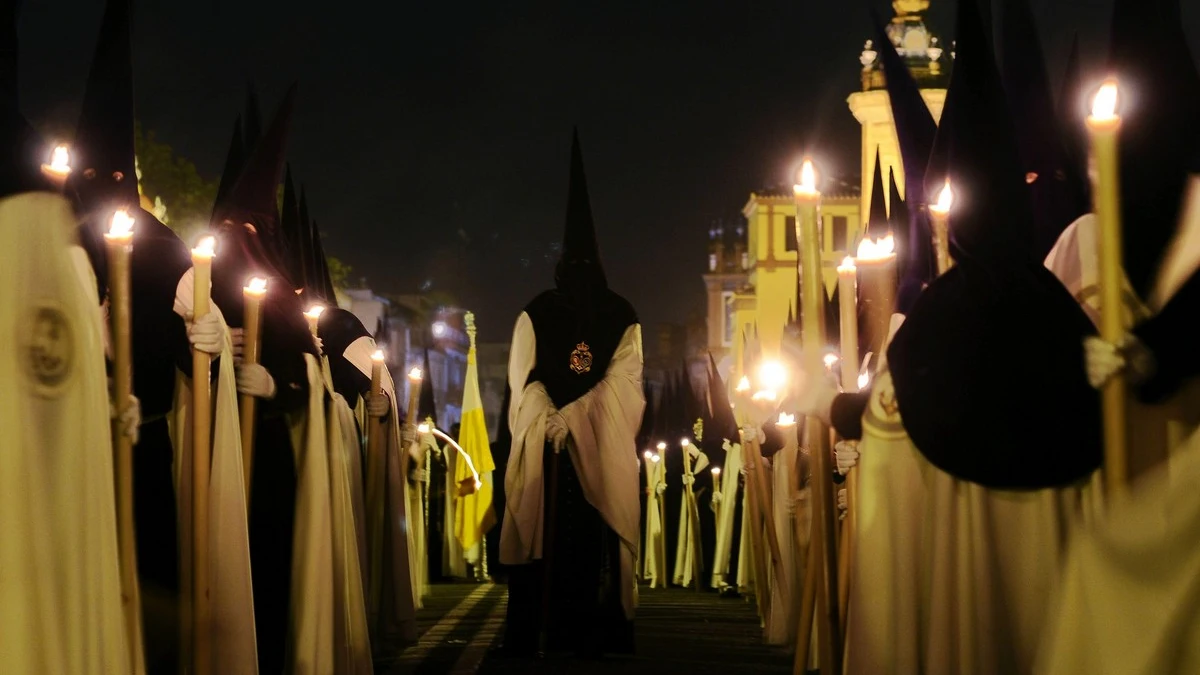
{"x":61,"y":608}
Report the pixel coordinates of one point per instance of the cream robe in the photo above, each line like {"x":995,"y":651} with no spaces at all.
{"x":454,"y":564}
{"x":688,"y":537}
{"x":655,"y":567}
{"x":351,"y":643}
{"x":603,"y":424}
{"x":783,"y":619}
{"x":60,"y":584}
{"x":722,"y":552}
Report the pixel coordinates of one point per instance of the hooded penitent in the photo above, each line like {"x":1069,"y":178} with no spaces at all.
{"x":993,"y":347}
{"x":877,"y":217}
{"x":915,"y":130}
{"x":1055,"y":193}
{"x":323,"y":281}
{"x":252,"y":130}
{"x":289,"y":227}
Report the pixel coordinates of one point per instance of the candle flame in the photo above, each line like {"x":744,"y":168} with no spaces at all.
{"x":647,"y":454}
{"x":785,"y":420}
{"x":662,"y":445}
{"x":877,"y":249}
{"x":1104,"y":106}
{"x":716,"y":471}
{"x":415,"y":374}
{"x":830,"y":360}
{"x":655,"y":459}
{"x":377,"y":356}
{"x":60,"y":159}
{"x":257,"y":285}
{"x":121,"y":225}
{"x":863,"y":380}
{"x":847,"y":265}
{"x":684,"y":442}
{"x":206,"y":247}
{"x":945,"y":200}
{"x":764,"y":395}
{"x":743,"y":384}
{"x":772,"y":375}
{"x":422,"y":428}
{"x":808,"y":178}
{"x":314,"y":312}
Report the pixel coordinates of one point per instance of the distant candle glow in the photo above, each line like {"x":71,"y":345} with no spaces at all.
{"x":206,"y":247}
{"x":655,"y":458}
{"x":1104,"y":105}
{"x":257,"y":286}
{"x":945,"y":200}
{"x":415,"y":374}
{"x":423,"y":428}
{"x":831,"y":360}
{"x":785,"y":420}
{"x":662,"y":446}
{"x":863,"y":380}
{"x":647,"y":454}
{"x":874,"y":250}
{"x":121,"y":226}
{"x":743,"y":384}
{"x":60,"y":160}
{"x":716,"y":471}
{"x":847,"y":265}
{"x":772,"y":375}
{"x":684,"y":442}
{"x":807,"y":187}
{"x":377,"y":357}
{"x":314,"y":312}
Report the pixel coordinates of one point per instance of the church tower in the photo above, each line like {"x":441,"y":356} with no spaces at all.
{"x":929,"y":62}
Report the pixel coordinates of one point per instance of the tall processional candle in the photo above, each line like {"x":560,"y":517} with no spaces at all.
{"x":939,"y":213}
{"x":119,"y":241}
{"x":812,"y":297}
{"x":375,"y":429}
{"x":848,"y":320}
{"x":59,"y":167}
{"x":202,"y":257}
{"x":313,"y":316}
{"x":876,"y":262}
{"x":252,"y":294}
{"x":1103,"y":130}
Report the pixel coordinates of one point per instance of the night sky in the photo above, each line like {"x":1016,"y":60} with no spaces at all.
{"x":434,"y":137}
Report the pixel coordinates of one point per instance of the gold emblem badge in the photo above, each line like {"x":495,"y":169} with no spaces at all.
{"x":581,"y":359}
{"x":48,"y":349}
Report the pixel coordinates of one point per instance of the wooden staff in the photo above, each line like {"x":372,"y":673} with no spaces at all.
{"x":202,"y":257}
{"x":253,"y":296}
{"x":816,"y":434}
{"x":848,"y":318}
{"x":119,"y":240}
{"x":1103,"y":129}
{"x":751,"y":519}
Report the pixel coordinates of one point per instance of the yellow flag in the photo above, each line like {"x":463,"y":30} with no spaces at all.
{"x":474,"y":515}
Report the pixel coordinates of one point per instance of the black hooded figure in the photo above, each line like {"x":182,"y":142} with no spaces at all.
{"x":247,"y":226}
{"x":102,"y":182}
{"x":577,"y":595}
{"x":992,"y":347}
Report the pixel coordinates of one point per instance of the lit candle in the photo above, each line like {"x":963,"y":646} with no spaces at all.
{"x":414,"y":394}
{"x":848,"y":320}
{"x":716,"y":472}
{"x":786,"y":420}
{"x":648,"y":462}
{"x":119,"y":240}
{"x":60,"y":165}
{"x":202,"y":257}
{"x":314,"y":317}
{"x":940,"y":214}
{"x":377,"y":360}
{"x":252,"y":295}
{"x":1103,"y":130}
{"x":876,"y":263}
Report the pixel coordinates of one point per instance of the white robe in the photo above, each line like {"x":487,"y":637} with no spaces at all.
{"x":727,"y":508}
{"x":688,"y":539}
{"x":603,"y":425}
{"x":59,"y":577}
{"x":655,"y":567}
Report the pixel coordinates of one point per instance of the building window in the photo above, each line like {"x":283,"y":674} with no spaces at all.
{"x":789,"y":234}
{"x":712,"y":262}
{"x":840,"y":233}
{"x":727,"y":318}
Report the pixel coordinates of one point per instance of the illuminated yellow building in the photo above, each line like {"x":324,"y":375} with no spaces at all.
{"x":751,"y":279}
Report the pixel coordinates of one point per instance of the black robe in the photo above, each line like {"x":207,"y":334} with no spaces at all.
{"x":585,"y":615}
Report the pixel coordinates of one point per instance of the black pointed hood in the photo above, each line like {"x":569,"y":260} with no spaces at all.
{"x":1070,"y":114}
{"x":304,"y":254}
{"x":960,"y":332}
{"x":252,"y":131}
{"x":235,"y":159}
{"x":898,"y":222}
{"x":579,"y":272}
{"x":1056,"y":202}
{"x":104,"y":175}
{"x":323,"y":282}
{"x":725,"y":426}
{"x":426,"y":405}
{"x":289,"y":224}
{"x":915,"y":131}
{"x":877,"y":218}
{"x":991,"y":220}
{"x":1159,"y":106}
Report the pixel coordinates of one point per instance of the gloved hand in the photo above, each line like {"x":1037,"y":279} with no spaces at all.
{"x":726,"y":445}
{"x":238,"y":337}
{"x":660,"y":489}
{"x":378,"y":405}
{"x":815,"y":394}
{"x":716,"y":500}
{"x":408,"y":435}
{"x":320,"y":345}
{"x":129,"y":419}
{"x":753,"y":433}
{"x":419,"y":476}
{"x":556,"y":430}
{"x":206,"y":334}
{"x":846,"y":453}
{"x":1104,"y":359}
{"x":843,"y":504}
{"x":688,"y":479}
{"x":254,"y":380}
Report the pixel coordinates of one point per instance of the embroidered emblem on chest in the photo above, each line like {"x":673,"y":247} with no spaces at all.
{"x":581,"y":359}
{"x":49,"y":349}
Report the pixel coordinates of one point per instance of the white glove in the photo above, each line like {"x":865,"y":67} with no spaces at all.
{"x":660,"y":489}
{"x":815,"y":395}
{"x":846,"y":453}
{"x":716,"y":500}
{"x":408,"y":435}
{"x":726,"y":445}
{"x":254,"y":380}
{"x":129,"y":420}
{"x":556,"y":430}
{"x":207,"y":334}
{"x":1103,"y":360}
{"x":238,"y":337}
{"x":419,"y":476}
{"x":378,"y":405}
{"x":429,"y":442}
{"x":688,"y":479}
{"x":320,"y":345}
{"x":842,"y":504}
{"x":753,"y":433}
